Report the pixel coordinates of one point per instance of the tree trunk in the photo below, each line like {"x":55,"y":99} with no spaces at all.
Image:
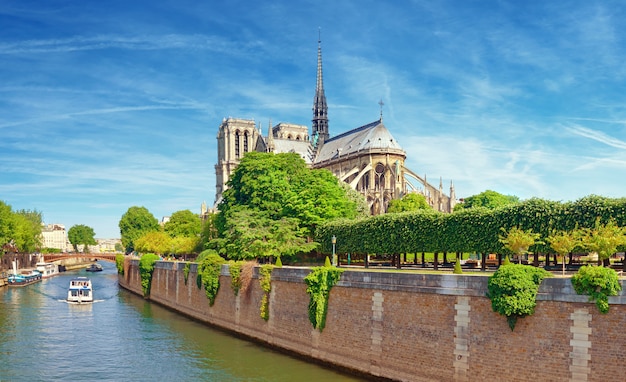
{"x":436,"y":260}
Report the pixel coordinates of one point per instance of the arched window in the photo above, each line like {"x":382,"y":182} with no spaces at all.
{"x":245,"y":142}
{"x":237,"y":153}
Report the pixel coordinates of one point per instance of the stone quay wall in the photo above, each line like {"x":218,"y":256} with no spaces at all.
{"x":411,"y":327}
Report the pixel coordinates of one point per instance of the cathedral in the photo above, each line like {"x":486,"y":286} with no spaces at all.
{"x":368,"y":158}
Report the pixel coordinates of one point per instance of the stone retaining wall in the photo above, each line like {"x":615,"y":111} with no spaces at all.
{"x":412,"y":327}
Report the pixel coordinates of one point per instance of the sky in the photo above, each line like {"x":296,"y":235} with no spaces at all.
{"x":105,"y":105}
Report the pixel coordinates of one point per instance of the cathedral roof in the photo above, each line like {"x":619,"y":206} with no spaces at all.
{"x":303,"y":148}
{"x":371,"y":137}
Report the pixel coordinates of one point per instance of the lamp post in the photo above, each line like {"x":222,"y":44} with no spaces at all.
{"x":334,"y":241}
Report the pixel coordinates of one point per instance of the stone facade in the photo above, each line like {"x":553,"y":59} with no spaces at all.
{"x":410,"y":327}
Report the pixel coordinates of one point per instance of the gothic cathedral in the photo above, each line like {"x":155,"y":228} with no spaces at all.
{"x":368,"y":158}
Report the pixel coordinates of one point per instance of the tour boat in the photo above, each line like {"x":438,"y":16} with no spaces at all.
{"x":25,"y":277}
{"x":94,"y":268}
{"x":47,"y":269}
{"x":80,"y":290}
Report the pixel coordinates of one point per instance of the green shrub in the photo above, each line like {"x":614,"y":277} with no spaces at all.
{"x":209,"y":275}
{"x":327,"y":262}
{"x":234,"y":268}
{"x":506,"y":261}
{"x":279,"y":262}
{"x":457,"y":267}
{"x":186,"y":271}
{"x":146,"y":267}
{"x":265,"y":279}
{"x":597,"y":282}
{"x":513,"y":290}
{"x":319,"y":282}
{"x":119,"y":263}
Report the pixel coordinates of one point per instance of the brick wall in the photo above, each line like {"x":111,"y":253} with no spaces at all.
{"x":412,"y":327}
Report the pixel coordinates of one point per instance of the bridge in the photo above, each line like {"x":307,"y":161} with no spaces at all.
{"x":52,"y":257}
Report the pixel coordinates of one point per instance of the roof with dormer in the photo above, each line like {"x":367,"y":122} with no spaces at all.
{"x":373,"y":137}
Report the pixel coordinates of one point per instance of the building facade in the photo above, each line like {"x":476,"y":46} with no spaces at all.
{"x":368,"y":158}
{"x":54,"y":236}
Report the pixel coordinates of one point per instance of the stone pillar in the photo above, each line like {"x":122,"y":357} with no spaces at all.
{"x":580,"y":343}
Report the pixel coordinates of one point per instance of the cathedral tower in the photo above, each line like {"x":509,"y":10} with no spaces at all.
{"x":319,"y":132}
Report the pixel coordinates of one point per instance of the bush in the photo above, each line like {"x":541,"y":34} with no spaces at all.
{"x":265,"y":279}
{"x":597,"y":282}
{"x":209,"y":275}
{"x":457,"y":267}
{"x":234,"y":268}
{"x":279,"y":262}
{"x":513,"y":290}
{"x":319,"y":283}
{"x":146,"y":267}
{"x":119,"y":263}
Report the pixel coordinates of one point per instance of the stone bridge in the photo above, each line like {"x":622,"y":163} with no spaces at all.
{"x":52,"y":257}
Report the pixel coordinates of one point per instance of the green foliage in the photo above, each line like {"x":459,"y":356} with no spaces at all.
{"x":604,"y":238}
{"x":153,"y":241}
{"x":146,"y":267}
{"x":506,"y":261}
{"x":513,"y":289}
{"x":489,"y":199}
{"x":265,"y":279}
{"x":518,"y":241}
{"x":81,"y":235}
{"x":597,"y":282}
{"x":209,"y":269}
{"x":186,"y":271}
{"x":234,"y":268}
{"x":327,"y":262}
{"x":273,"y":204}
{"x":409,"y":202}
{"x":457,"y":267}
{"x":279,"y":262}
{"x":183,"y":224}
{"x":21,"y":229}
{"x":119,"y":263}
{"x":134,"y":223}
{"x":319,"y":283}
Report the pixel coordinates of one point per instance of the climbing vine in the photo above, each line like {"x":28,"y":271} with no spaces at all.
{"x":146,"y":267}
{"x":265,"y":279}
{"x":598,"y":283}
{"x":119,"y":263}
{"x":234,"y":268}
{"x":209,"y":275}
{"x":513,"y":291}
{"x":319,"y":282}
{"x":186,"y":271}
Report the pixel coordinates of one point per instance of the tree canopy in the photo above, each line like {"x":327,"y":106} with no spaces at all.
{"x":21,"y":228}
{"x":273,"y":204}
{"x":134,"y":223}
{"x":183,"y":224}
{"x":489,"y":199}
{"x":409,"y":202}
{"x":81,"y":235}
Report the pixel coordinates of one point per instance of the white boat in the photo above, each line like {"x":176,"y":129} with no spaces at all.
{"x":80,"y":290}
{"x":47,"y":269}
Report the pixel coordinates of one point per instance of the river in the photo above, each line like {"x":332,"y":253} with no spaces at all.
{"x":122,"y":337}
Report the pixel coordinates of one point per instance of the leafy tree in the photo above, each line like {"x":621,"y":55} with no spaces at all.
{"x":604,"y":239}
{"x":409,"y":202}
{"x":154,"y":241}
{"x":209,"y":231}
{"x":183,"y":223}
{"x":489,"y":199}
{"x":564,"y":242}
{"x":134,"y":223}
{"x":518,"y":241}
{"x":6,"y":224}
{"x":183,"y":245}
{"x":362,"y":209}
{"x":273,"y":204}
{"x":81,"y":234}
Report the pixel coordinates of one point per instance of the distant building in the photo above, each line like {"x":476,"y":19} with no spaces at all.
{"x":368,"y":157}
{"x":54,"y":236}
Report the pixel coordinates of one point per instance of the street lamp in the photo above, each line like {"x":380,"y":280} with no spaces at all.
{"x":334,"y":241}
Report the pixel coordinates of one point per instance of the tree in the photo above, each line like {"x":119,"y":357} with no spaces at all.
{"x":157,"y":242}
{"x":518,"y":241}
{"x":134,"y":223}
{"x":564,"y":242}
{"x":273,"y":204}
{"x":490,"y":199}
{"x":409,"y":202}
{"x":6,"y":224}
{"x":183,"y":224}
{"x":604,"y":239}
{"x":81,"y":234}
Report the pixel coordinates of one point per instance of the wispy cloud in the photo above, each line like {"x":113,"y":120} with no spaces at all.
{"x":597,"y":136}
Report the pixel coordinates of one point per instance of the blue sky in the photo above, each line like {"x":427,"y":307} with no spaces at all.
{"x":108,"y":105}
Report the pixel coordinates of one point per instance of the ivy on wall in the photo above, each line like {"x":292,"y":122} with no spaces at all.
{"x":265,"y":279}
{"x":209,"y":275}
{"x":598,"y":283}
{"x":186,"y":271}
{"x":319,"y":283}
{"x":119,"y":263}
{"x":146,"y":268}
{"x":513,"y":290}
{"x":234,"y":268}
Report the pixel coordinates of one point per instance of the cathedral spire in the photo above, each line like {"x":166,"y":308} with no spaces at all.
{"x":320,"y":108}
